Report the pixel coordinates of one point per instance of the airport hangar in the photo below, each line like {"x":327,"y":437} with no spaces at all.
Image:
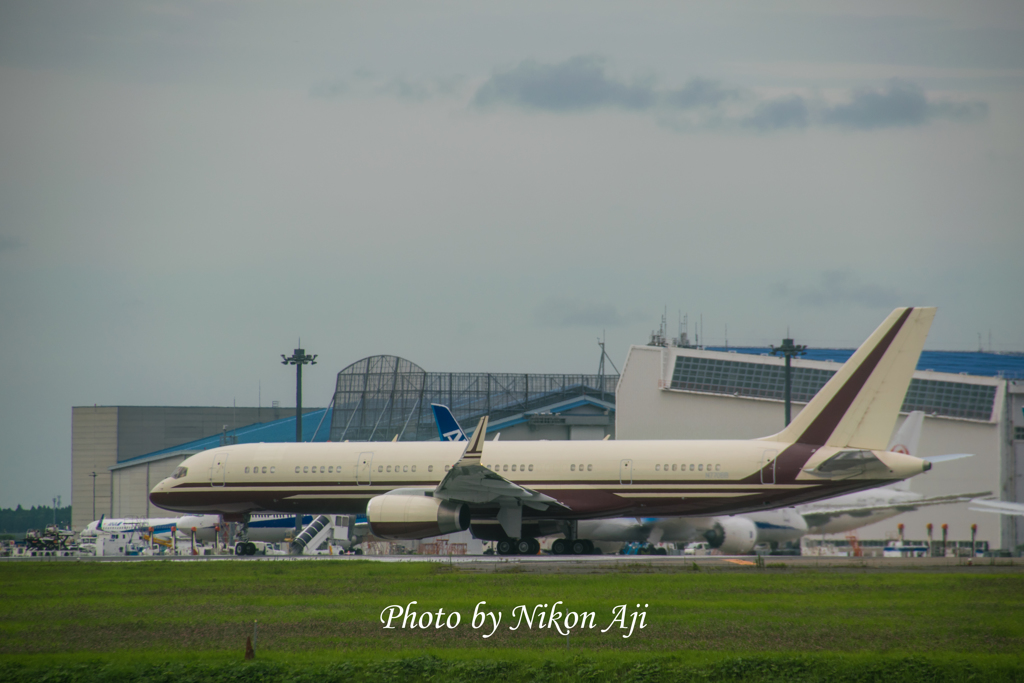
{"x":671,"y":390}
{"x":379,"y":398}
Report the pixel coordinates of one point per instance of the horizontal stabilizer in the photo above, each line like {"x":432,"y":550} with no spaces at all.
{"x":947,"y":457}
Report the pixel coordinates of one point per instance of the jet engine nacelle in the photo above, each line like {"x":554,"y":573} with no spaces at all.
{"x":732,"y":535}
{"x":408,"y":516}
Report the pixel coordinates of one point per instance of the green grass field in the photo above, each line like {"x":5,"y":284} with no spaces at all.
{"x":144,"y":620}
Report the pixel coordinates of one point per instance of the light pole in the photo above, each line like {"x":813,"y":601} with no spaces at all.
{"x":93,"y":475}
{"x":298,"y":359}
{"x":788,"y":349}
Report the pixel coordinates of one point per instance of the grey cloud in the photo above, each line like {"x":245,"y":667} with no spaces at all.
{"x":366,"y":82}
{"x":8,"y":243}
{"x":700,"y":92}
{"x":409,"y":90}
{"x":582,"y":83}
{"x":420,"y":91}
{"x":778,"y":114}
{"x":578,"y":83}
{"x":900,"y":103}
{"x":576,"y":313}
{"x":838,"y":287}
{"x":958,"y":111}
{"x":329,"y":90}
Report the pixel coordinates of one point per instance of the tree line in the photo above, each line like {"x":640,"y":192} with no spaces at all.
{"x":20,"y":520}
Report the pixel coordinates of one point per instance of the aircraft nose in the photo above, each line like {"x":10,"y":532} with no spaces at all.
{"x":161,"y":496}
{"x":927,"y":466}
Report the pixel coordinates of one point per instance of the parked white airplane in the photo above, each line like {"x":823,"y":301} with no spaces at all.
{"x":160,"y":527}
{"x":519,"y":490}
{"x":268,"y":528}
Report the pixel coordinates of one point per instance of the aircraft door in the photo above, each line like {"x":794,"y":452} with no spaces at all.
{"x":364,"y":468}
{"x":218,"y":471}
{"x":768,"y":467}
{"x":626,"y":472}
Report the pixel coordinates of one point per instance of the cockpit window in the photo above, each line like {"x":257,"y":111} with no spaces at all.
{"x":180,"y":472}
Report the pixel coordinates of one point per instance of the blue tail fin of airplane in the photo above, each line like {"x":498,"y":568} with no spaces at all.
{"x":447,"y":428}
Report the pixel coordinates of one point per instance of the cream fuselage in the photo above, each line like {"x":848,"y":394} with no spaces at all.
{"x":591,"y":479}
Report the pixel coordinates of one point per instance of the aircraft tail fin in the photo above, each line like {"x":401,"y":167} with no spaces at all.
{"x":447,"y":426}
{"x":858,"y":407}
{"x":908,"y":436}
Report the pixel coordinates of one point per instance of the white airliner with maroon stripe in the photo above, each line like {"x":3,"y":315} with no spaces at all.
{"x":518,"y":490}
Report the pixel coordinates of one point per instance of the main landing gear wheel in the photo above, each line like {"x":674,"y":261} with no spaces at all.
{"x":507,"y":547}
{"x":527,"y":546}
{"x":582,"y":546}
{"x":579,"y":546}
{"x":245,"y":548}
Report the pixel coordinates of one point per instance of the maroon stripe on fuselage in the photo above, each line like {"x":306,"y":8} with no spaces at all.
{"x":332,"y":487}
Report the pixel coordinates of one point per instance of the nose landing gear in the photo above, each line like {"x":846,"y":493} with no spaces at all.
{"x":244,"y":546}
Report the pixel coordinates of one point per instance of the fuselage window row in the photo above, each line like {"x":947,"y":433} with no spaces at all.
{"x":682,"y":468}
{"x":401,"y":469}
{"x":504,"y":468}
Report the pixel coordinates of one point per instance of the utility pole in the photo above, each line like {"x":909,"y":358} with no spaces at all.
{"x":789,"y":350}
{"x":298,"y":359}
{"x":600,"y":365}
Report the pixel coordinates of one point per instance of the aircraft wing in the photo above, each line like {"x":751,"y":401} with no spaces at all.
{"x":1003,"y":507}
{"x":820,"y":516}
{"x":470,"y":482}
{"x":479,"y":485}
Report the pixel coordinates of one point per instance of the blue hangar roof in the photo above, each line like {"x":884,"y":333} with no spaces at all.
{"x":971,"y":362}
{"x":278,"y":431}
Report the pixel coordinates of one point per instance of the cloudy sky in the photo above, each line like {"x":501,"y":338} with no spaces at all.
{"x":187,"y":188}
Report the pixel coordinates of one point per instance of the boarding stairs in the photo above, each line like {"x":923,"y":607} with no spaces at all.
{"x":315,"y":533}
